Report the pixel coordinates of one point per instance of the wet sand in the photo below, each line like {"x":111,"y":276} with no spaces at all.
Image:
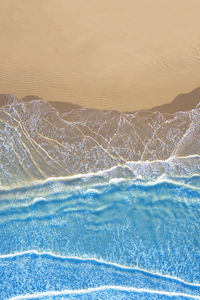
{"x":124,"y":55}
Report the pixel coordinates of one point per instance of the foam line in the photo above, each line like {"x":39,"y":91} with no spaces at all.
{"x":90,"y":260}
{"x":128,"y":164}
{"x":173,"y":182}
{"x":38,"y":184}
{"x":102,"y":288}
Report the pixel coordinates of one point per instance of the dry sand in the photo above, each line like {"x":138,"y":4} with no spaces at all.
{"x":108,"y":54}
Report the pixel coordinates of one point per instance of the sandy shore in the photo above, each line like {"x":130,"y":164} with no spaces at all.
{"x":103,"y":54}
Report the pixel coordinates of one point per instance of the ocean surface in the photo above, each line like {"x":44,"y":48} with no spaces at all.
{"x":91,"y":237}
{"x":98,"y":204}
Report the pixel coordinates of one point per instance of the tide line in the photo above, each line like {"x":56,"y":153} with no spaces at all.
{"x":99,"y":261}
{"x":102,"y":288}
{"x":99,"y":173}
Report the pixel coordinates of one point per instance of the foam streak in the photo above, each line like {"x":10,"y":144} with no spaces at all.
{"x":103,"y":288}
{"x":111,"y":264}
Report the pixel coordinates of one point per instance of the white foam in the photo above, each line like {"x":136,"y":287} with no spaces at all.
{"x":93,"y":191}
{"x":11,"y":255}
{"x":135,"y":167}
{"x":38,"y":199}
{"x":103,"y":288}
{"x":116,"y":180}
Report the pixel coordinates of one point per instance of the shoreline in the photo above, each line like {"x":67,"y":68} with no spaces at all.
{"x":182,"y":102}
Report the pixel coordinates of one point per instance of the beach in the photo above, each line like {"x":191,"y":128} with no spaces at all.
{"x":124,"y":56}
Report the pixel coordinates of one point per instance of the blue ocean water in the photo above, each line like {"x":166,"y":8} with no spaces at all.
{"x":90,"y":238}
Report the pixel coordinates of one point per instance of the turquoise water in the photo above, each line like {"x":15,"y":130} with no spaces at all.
{"x":90,"y":238}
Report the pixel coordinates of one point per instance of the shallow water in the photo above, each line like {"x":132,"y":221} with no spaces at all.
{"x":101,"y":239}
